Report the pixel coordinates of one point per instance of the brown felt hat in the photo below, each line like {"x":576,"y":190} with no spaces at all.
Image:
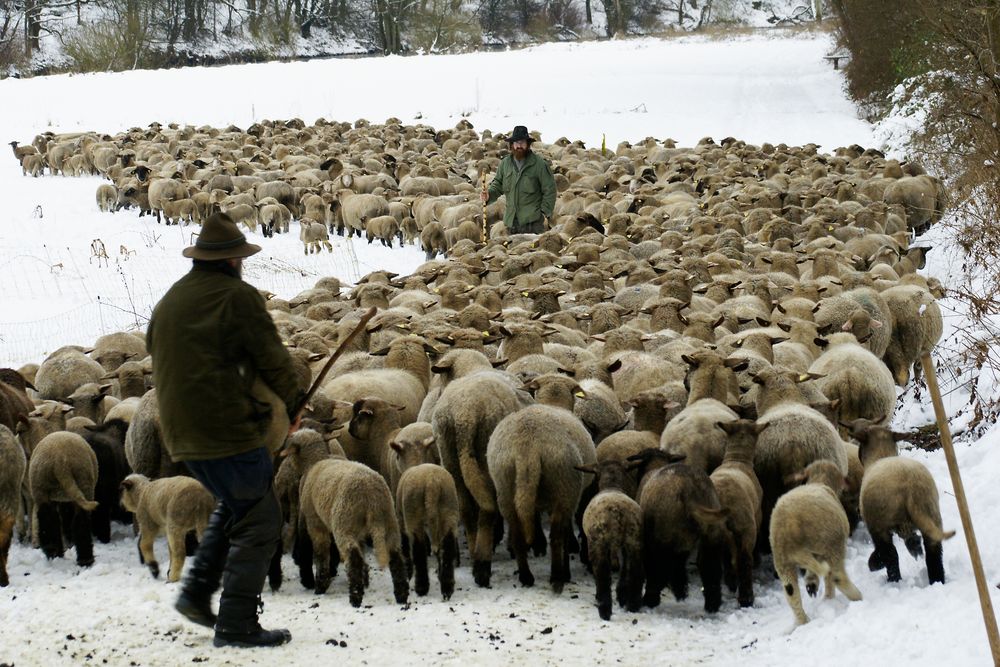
{"x":220,"y":238}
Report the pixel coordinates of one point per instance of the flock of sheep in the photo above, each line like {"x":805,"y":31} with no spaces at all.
{"x":698,"y":359}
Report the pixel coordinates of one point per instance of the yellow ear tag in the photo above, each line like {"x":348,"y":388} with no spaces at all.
{"x":486,"y":334}
{"x":580,"y":394}
{"x":803,"y":378}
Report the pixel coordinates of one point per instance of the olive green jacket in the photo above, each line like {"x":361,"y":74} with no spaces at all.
{"x":531,"y":193}
{"x":210,"y":336}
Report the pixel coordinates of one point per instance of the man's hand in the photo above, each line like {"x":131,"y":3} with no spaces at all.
{"x":295,"y":425}
{"x":484,"y":196}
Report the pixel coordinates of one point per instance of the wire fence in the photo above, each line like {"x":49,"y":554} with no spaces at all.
{"x":81,"y":298}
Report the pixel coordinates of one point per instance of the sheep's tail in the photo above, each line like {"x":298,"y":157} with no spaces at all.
{"x":68,"y":484}
{"x":473,"y":472}
{"x":927,"y":520}
{"x":433,"y":516}
{"x":810,"y":562}
{"x":384,"y":530}
{"x":528,"y":475}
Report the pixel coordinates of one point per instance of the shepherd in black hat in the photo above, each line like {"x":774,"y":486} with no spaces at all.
{"x":526,"y":181}
{"x":224,"y":380}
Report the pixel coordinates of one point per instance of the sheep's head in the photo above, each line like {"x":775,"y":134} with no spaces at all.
{"x":370,"y":412}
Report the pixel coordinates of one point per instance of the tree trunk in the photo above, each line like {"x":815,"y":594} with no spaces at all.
{"x":590,"y":18}
{"x":818,"y":9}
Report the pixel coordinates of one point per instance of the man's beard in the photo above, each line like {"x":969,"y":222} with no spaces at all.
{"x":519,"y":153}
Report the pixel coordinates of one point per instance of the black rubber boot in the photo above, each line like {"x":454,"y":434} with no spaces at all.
{"x":205,"y":574}
{"x":251,"y":544}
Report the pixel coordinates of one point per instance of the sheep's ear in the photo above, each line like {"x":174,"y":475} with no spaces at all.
{"x":778,"y":339}
{"x":440,"y":368}
{"x":614,"y":366}
{"x":566,"y":371}
{"x":689,"y":360}
{"x":897,"y":436}
{"x":819,"y":341}
{"x":670,"y":405}
{"x":396,"y":447}
{"x":724,"y":426}
{"x":427,"y":442}
{"x":784,"y":326}
{"x":599,"y":337}
{"x":127,"y":484}
{"x":759,"y":427}
{"x":588,"y":469}
{"x":105,"y":389}
{"x":66,"y":408}
{"x":359,"y":405}
{"x":737,"y":365}
{"x":805,"y":377}
{"x":796,"y":479}
{"x":110,"y":375}
{"x":815,"y":309}
{"x":313,"y":358}
{"x":876,"y":324}
{"x":757,"y":380}
{"x":398,"y":408}
{"x":498,"y":363}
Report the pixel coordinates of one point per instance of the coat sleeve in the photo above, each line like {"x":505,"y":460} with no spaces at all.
{"x":548,"y":184}
{"x":258,"y":337}
{"x":496,"y":185}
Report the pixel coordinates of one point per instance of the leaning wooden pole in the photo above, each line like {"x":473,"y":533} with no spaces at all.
{"x":963,"y":509}
{"x":482,"y":185}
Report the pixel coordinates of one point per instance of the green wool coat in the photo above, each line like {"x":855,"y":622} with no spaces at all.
{"x":210,"y":336}
{"x":531,"y":193}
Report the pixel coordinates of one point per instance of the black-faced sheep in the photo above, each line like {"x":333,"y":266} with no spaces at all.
{"x":175,"y":505}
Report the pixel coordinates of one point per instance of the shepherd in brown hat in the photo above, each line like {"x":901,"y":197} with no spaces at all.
{"x":526,"y":181}
{"x":216,"y":353}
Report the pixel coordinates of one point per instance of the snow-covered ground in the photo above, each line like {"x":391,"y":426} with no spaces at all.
{"x":760,"y":88}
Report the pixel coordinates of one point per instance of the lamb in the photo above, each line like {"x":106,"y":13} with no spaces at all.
{"x":63,"y":469}
{"x":531,"y":456}
{"x":175,"y":505}
{"x":314,"y":236}
{"x":107,"y":195}
{"x":275,"y":218}
{"x":92,"y":400}
{"x":427,"y":501}
{"x":612,"y":523}
{"x":355,"y":209}
{"x":809,"y":530}
{"x":433,"y":241}
{"x":680,"y":512}
{"x":246,"y":214}
{"x":181,"y":210}
{"x":898,"y":496}
{"x":740,"y":496}
{"x":383,"y":228}
{"x":854,"y":377}
{"x":12,"y":467}
{"x":348,"y":502}
{"x":33,"y":165}
{"x":468,"y":411}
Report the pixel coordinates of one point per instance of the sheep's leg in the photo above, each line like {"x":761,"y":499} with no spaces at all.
{"x":6,"y":535}
{"x":321,"y":559}
{"x":400,"y":582}
{"x":676,"y":566}
{"x":147,"y":535}
{"x":355,"y":575}
{"x":601,"y":560}
{"x":50,"y":530}
{"x":190,"y":543}
{"x":654,"y":565}
{"x":632,"y":575}
{"x":66,"y":520}
{"x":914,"y":545}
{"x":539,"y":543}
{"x":561,"y":526}
{"x":404,"y":541}
{"x":177,"y":550}
{"x":812,"y":583}
{"x":302,"y":555}
{"x":730,"y":569}
{"x":935,"y":561}
{"x":447,"y":559}
{"x":840,"y":579}
{"x":482,"y":551}
{"x":520,"y":546}
{"x":790,"y":582}
{"x":888,"y":556}
{"x":421,"y":544}
{"x":274,"y":575}
{"x":744,"y":566}
{"x":101,"y":521}
{"x":710,"y":569}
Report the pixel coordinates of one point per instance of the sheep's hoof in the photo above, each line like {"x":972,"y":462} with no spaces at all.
{"x":914,"y":545}
{"x":557,"y":586}
{"x":481,"y":571}
{"x":154,"y":568}
{"x":875,"y":562}
{"x":745,"y":601}
{"x":651,"y":599}
{"x":812,"y":588}
{"x":526,"y":578}
{"x":604,"y":610}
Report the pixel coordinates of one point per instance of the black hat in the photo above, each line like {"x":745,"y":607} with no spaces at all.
{"x":520,"y":133}
{"x":220,"y":238}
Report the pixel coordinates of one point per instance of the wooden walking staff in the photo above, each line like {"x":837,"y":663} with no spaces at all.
{"x":482,"y":178}
{"x":963,"y":509}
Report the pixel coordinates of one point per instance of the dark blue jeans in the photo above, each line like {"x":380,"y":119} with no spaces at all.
{"x":238,"y":482}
